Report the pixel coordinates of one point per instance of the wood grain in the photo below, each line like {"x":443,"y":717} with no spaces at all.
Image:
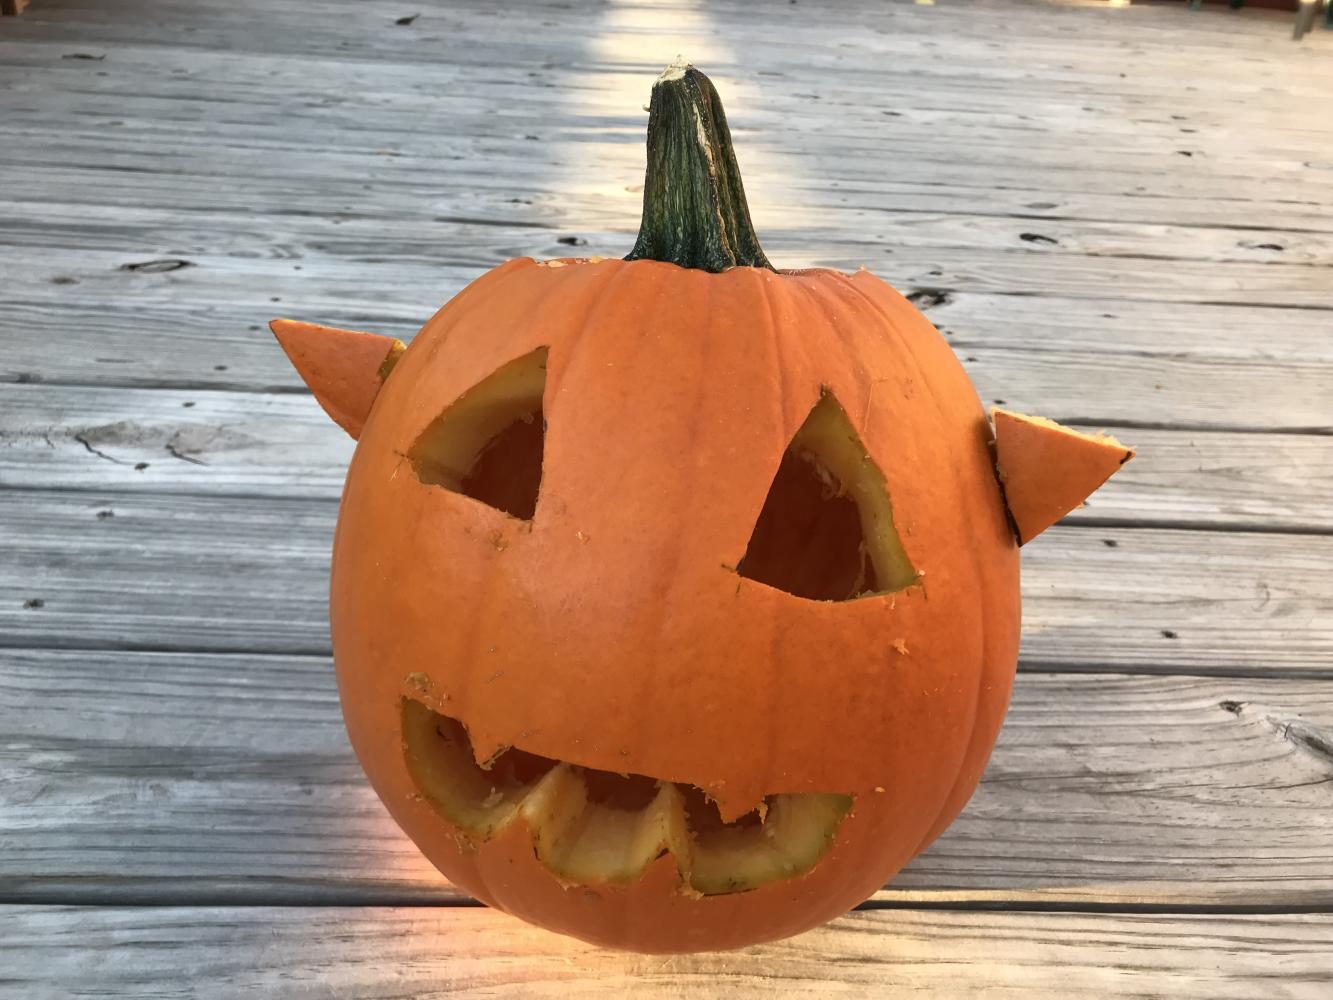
{"x":161,"y":778}
{"x":1013,"y":354}
{"x":1097,"y":362}
{"x":189,"y":572}
{"x":470,"y":952}
{"x":1117,"y":216}
{"x":283,"y":445}
{"x":1073,"y":292}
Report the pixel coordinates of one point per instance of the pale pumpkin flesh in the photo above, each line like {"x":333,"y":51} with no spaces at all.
{"x":488,"y":444}
{"x":593,"y":827}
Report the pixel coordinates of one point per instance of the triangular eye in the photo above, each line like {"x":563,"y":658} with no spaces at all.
{"x":488,"y":444}
{"x":826,"y":531}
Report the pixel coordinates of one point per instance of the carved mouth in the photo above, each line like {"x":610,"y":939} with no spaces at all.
{"x":596,"y":827}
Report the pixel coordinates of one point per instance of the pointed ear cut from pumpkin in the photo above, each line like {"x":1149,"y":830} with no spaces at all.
{"x":343,"y":368}
{"x":1048,"y":470}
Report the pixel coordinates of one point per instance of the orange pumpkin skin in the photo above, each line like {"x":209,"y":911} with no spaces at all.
{"x":612,"y":630}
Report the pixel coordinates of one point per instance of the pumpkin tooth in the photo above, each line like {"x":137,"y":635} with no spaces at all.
{"x":440,"y":761}
{"x":794,"y":833}
{"x":589,"y":842}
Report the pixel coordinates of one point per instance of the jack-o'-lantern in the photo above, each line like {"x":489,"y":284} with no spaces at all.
{"x":675,"y":599}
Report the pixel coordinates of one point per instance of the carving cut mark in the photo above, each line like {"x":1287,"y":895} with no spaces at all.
{"x":826,"y":530}
{"x":488,"y":444}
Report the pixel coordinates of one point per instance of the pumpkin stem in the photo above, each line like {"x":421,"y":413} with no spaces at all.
{"x":694,"y":211}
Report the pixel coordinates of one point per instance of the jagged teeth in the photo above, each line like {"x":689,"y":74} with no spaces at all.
{"x":588,"y":842}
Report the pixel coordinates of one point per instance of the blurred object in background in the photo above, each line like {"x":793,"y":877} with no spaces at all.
{"x":1307,"y":11}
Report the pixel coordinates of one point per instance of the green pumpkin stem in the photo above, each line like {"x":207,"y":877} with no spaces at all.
{"x":694,"y":211}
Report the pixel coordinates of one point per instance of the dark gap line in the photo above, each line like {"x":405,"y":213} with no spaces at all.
{"x":1218,"y":671}
{"x":1029,"y":668}
{"x":1237,"y":527}
{"x":1127,"y":908}
{"x":1211,"y":672}
{"x":1185,"y":427}
{"x":1032,"y":294}
{"x":1098,"y":220}
{"x":1065,"y":252}
{"x":1083,"y":522}
{"x":1109,"y":351}
{"x":346,"y":898}
{"x":558,"y":225}
{"x":35,"y":644}
{"x":165,"y":385}
{"x":148,"y":490}
{"x":182,"y":385}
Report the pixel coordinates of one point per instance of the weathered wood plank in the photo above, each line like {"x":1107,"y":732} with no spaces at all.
{"x":219,"y":339}
{"x":1272,"y":371}
{"x":473,"y":952}
{"x":890,"y":44}
{"x":247,"y":444}
{"x":332,"y":225}
{"x":323,"y":156}
{"x":369,"y":186}
{"x":609,"y":225}
{"x":172,"y":778}
{"x":591,"y":131}
{"x":221,"y":573}
{"x":332,"y":159}
{"x":214,"y":277}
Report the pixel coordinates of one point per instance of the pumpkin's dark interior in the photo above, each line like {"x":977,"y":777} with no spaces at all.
{"x":597,"y":827}
{"x":488,"y":444}
{"x":826,"y":530}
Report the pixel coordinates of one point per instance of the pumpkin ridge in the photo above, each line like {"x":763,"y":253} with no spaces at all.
{"x":454,"y":313}
{"x":765,"y":288}
{"x":651,"y":679}
{"x":857,"y":371}
{"x":982,"y":573}
{"x":576,"y":316}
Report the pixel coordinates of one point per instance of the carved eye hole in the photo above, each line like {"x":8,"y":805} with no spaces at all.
{"x":488,"y":445}
{"x":826,"y":530}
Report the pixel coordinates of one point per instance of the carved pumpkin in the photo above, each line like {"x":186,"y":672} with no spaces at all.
{"x":675,"y":600}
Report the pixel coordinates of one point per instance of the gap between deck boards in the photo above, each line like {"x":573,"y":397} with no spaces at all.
{"x":410,"y":900}
{"x":1311,"y":530}
{"x":249,"y":389}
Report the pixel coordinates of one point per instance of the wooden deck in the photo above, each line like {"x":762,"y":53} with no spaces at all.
{"x":1121,"y":217}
